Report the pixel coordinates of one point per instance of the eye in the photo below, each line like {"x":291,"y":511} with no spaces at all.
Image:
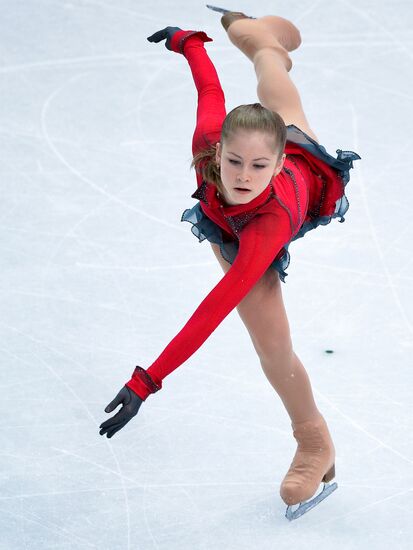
{"x":259,"y":166}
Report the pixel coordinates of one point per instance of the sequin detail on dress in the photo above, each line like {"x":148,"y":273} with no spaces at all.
{"x":316,"y":212}
{"x":204,"y":228}
{"x":238,"y":221}
{"x":141,"y":373}
{"x":200,"y":193}
{"x":297,"y":196}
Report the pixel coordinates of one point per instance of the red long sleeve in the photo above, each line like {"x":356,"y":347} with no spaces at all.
{"x":211,"y":99}
{"x":260,"y":241}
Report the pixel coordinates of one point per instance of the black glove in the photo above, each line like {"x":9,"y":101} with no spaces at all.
{"x":167,"y":33}
{"x":131,"y":403}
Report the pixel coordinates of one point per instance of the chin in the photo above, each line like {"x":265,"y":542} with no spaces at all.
{"x":239,"y":198}
{"x":247,"y":197}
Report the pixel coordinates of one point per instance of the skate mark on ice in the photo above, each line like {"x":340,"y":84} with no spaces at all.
{"x":88,"y":412}
{"x":363,"y":430}
{"x":366,"y":506}
{"x":373,"y":230}
{"x":381,"y":28}
{"x":53,"y":528}
{"x":79,"y":175}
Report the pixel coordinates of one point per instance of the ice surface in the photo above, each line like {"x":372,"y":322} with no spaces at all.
{"x":98,"y":274}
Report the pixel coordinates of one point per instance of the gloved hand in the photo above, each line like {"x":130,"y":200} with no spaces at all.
{"x":167,"y":33}
{"x":175,"y":37}
{"x":130,"y":407}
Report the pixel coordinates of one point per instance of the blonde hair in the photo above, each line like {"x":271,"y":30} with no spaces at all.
{"x":250,"y":117}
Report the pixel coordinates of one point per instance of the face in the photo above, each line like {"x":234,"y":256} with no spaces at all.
{"x":247,"y":165}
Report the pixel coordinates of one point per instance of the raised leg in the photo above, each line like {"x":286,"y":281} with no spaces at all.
{"x":267,"y":41}
{"x":263,"y":313}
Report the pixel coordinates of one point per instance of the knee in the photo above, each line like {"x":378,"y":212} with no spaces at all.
{"x":271,"y":338}
{"x":274,"y":344}
{"x":276,"y":349}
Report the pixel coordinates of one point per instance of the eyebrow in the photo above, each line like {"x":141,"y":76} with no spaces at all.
{"x":265,"y":158}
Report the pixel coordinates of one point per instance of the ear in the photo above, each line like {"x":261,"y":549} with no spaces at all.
{"x":280,"y":165}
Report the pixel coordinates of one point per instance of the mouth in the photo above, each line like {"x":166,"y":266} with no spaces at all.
{"x":241,"y":190}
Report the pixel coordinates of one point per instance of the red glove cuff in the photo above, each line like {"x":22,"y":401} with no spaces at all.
{"x":179,"y":38}
{"x":143,"y":384}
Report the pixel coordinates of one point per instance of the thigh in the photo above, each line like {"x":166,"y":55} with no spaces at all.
{"x":263,"y":312}
{"x":291,"y":111}
{"x":298,"y":118}
{"x":277,"y":92}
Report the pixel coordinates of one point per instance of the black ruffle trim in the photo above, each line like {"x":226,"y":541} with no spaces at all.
{"x":204,"y":228}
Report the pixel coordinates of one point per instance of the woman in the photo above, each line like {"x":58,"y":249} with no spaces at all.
{"x":263,"y":181}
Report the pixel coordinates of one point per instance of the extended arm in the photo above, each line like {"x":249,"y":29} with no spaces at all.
{"x":211,"y":100}
{"x":260,"y":241}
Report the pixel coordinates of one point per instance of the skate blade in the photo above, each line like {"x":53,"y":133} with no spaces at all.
{"x":304,"y":507}
{"x":224,"y":11}
{"x":220,"y":10}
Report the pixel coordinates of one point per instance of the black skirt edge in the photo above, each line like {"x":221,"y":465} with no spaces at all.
{"x":204,"y":228}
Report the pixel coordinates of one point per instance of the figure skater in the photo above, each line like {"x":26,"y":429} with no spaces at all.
{"x":263,"y":181}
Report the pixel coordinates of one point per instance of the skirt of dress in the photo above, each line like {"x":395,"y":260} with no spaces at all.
{"x":204,"y":228}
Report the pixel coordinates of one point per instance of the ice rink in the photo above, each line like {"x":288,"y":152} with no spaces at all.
{"x":98,"y":274}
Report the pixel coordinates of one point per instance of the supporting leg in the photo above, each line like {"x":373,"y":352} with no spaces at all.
{"x":290,"y":380}
{"x":263,"y":313}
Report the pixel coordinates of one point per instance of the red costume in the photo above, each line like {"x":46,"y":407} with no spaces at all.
{"x":253,"y":236}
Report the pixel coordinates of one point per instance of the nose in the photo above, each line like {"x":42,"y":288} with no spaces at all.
{"x":243,"y":175}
